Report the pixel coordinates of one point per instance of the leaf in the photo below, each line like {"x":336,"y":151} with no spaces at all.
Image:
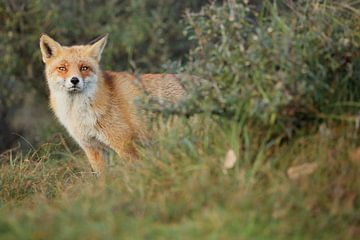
{"x":302,"y":170}
{"x":355,"y":156}
{"x":230,"y":160}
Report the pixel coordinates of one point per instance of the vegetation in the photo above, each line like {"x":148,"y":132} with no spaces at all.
{"x":283,"y":67}
{"x":181,"y":189}
{"x":266,"y":146}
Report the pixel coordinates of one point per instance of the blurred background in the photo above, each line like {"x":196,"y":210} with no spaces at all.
{"x":285,"y":64}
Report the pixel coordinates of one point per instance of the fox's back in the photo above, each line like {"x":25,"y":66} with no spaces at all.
{"x":162,"y":86}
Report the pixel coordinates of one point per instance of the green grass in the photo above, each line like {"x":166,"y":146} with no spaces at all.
{"x":179,"y":189}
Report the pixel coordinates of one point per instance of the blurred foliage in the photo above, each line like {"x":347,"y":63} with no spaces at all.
{"x":280,"y":66}
{"x":143,"y":34}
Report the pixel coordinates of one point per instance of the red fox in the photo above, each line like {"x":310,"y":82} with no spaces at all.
{"x":97,"y":107}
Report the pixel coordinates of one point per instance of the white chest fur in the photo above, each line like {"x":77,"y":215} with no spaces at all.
{"x":76,"y":114}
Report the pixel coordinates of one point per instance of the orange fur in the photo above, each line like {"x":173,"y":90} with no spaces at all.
{"x":101,"y":113}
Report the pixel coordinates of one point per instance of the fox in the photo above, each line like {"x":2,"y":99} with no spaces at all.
{"x":98,"y":108}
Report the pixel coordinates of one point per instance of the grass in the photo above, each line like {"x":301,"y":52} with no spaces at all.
{"x":305,"y":187}
{"x":179,"y":189}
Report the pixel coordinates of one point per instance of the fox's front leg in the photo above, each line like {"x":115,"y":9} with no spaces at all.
{"x":96,"y":158}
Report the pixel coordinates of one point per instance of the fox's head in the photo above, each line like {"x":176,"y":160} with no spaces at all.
{"x":72,"y":69}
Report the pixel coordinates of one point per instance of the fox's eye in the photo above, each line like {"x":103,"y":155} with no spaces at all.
{"x":84,"y":68}
{"x":62,"y":69}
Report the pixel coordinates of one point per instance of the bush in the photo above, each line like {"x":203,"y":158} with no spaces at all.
{"x":278,"y":67}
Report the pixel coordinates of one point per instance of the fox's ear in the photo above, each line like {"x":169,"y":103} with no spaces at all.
{"x":97,"y":46}
{"x":49,"y":47}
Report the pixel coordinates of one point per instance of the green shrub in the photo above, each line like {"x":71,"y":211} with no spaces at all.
{"x":278,"y":67}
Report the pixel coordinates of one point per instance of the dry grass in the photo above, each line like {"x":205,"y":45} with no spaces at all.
{"x":179,"y":189}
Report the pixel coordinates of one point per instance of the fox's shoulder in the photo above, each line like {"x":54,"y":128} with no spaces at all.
{"x":117,"y":80}
{"x":111,"y":77}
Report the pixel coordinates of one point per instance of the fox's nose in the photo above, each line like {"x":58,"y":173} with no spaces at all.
{"x":74,"y":80}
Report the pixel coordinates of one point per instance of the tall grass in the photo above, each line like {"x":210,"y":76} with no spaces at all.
{"x":181,"y":189}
